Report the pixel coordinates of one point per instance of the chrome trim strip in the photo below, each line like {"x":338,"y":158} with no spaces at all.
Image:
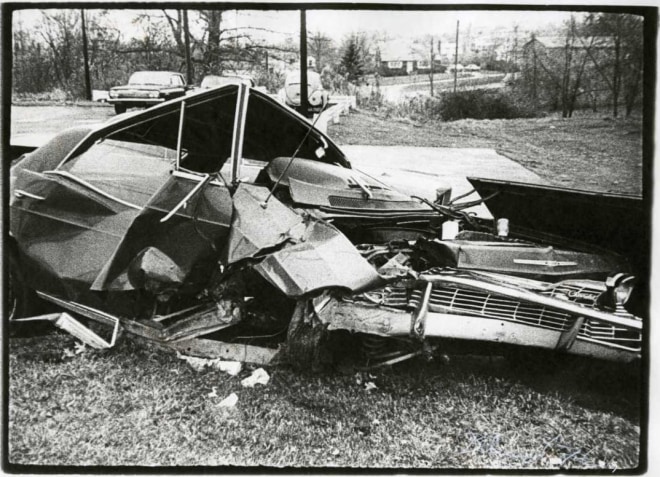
{"x":70,"y":176}
{"x":21,"y":193}
{"x":135,"y":99}
{"x":86,"y":311}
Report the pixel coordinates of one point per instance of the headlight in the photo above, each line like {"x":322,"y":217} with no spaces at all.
{"x":113,"y":94}
{"x":619,"y":289}
{"x":624,"y":289}
{"x":154,"y":94}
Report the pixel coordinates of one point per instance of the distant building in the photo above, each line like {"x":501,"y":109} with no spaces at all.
{"x":551,"y":50}
{"x":549,"y":44}
{"x":401,"y":58}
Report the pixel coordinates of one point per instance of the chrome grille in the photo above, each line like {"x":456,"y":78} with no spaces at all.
{"x":471,"y":302}
{"x":134,"y":93}
{"x":488,"y":305}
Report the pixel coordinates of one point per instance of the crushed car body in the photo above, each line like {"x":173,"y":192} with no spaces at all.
{"x":220,"y":223}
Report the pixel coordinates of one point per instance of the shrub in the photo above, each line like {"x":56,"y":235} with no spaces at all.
{"x":481,"y":104}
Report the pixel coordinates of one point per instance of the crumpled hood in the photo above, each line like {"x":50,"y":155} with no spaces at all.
{"x":327,"y":185}
{"x":296,"y":254}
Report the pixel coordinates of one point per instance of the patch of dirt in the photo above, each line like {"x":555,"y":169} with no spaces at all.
{"x":587,"y":152}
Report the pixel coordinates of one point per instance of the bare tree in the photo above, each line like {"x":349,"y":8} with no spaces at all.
{"x":620,"y":36}
{"x":321,"y":47}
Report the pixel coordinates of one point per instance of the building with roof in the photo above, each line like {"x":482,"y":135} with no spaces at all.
{"x":402,"y":57}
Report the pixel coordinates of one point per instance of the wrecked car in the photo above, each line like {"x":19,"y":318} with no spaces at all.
{"x":222,"y":224}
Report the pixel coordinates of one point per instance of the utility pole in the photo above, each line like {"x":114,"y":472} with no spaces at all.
{"x":267,"y":70}
{"x":303,"y":63}
{"x":456,"y":59}
{"x":186,"y":39}
{"x":432,"y":58}
{"x":88,"y":82}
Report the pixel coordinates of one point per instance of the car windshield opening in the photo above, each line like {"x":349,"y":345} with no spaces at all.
{"x":150,"y":77}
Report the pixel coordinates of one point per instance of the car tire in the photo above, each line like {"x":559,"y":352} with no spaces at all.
{"x":120,"y":108}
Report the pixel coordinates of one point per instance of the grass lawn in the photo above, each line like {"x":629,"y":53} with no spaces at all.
{"x":589,"y":151}
{"x":138,"y":405}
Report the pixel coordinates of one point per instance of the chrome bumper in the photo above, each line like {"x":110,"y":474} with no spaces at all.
{"x":453,"y":307}
{"x":136,"y":100}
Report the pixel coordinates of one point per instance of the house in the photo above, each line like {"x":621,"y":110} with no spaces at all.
{"x":549,"y":44}
{"x":550,"y":51}
{"x":403,"y":58}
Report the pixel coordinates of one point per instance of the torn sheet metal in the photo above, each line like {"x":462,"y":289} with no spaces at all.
{"x":226,"y":351}
{"x":257,"y":226}
{"x":362,"y":318}
{"x":324,"y":258}
{"x":189,"y":239}
{"x":75,"y":328}
{"x":198,"y":364}
{"x":153,"y":271}
{"x":208,"y":320}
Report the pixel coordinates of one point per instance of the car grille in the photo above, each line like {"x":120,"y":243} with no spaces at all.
{"x":488,"y":305}
{"x":131,"y":93}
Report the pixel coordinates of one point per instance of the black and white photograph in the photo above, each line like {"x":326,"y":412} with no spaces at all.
{"x":322,"y":237}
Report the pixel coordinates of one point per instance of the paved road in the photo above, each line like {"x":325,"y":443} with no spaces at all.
{"x":418,"y":170}
{"x":397,"y":92}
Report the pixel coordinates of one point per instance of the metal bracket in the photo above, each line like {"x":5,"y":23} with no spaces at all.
{"x":418,"y":321}
{"x":567,"y":338}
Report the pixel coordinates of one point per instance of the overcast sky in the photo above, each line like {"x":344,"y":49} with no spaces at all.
{"x":338,"y":23}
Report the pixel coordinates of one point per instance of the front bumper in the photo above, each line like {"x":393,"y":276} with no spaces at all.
{"x":447,"y":308}
{"x":136,"y":101}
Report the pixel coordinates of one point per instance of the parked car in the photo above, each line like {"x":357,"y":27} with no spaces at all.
{"x":227,"y":225}
{"x":473,"y":67}
{"x":459,"y":68}
{"x":147,"y":88}
{"x":317,"y":96}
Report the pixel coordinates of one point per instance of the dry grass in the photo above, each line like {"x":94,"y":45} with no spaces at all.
{"x":589,"y":152}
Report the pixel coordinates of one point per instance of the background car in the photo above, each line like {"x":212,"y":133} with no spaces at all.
{"x":317,"y":97}
{"x":146,"y":88}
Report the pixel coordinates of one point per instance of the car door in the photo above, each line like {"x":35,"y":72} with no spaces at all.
{"x":124,"y":189}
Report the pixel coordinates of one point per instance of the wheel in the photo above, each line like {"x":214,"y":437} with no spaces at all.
{"x":120,"y":108}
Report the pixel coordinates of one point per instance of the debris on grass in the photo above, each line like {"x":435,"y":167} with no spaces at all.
{"x":229,"y":401}
{"x":198,"y":364}
{"x":258,"y":376}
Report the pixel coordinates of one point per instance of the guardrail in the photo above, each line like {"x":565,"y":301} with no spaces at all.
{"x":340,"y":105}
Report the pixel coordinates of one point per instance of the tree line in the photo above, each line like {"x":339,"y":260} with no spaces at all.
{"x":596,"y":61}
{"x":69,"y":48}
